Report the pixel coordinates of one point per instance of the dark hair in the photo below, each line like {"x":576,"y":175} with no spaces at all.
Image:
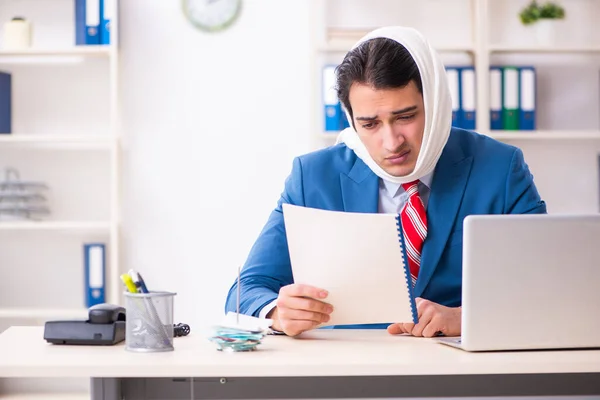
{"x":381,"y":63}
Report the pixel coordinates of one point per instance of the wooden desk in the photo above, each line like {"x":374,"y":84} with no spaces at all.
{"x":319,"y":364}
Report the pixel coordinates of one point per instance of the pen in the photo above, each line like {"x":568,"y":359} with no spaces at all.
{"x":129,"y":283}
{"x":142,"y":283}
{"x":137,"y":279}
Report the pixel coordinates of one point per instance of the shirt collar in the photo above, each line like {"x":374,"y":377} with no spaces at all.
{"x":393,"y":189}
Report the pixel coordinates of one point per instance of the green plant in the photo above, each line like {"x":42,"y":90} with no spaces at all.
{"x":535,"y":11}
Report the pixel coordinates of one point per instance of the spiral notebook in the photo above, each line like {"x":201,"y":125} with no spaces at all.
{"x":358,"y":257}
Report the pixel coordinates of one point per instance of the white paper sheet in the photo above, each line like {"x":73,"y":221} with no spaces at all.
{"x":247,"y":322}
{"x":357,"y":257}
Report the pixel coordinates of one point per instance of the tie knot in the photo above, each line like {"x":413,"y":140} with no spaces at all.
{"x":411,"y":187}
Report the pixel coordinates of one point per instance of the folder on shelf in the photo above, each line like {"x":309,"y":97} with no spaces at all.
{"x":87,"y":22}
{"x":5,"y":102}
{"x":332,"y":108}
{"x":344,"y":123}
{"x":107,"y":10}
{"x":95,"y":266}
{"x":510,"y":95}
{"x":454,"y":83}
{"x":467,"y":98}
{"x":527,"y":86}
{"x":496,"y":98}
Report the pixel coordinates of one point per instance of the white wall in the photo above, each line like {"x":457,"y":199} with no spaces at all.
{"x":212,"y":122}
{"x":211,"y":125}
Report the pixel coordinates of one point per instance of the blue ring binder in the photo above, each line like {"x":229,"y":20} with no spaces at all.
{"x":413,"y":305}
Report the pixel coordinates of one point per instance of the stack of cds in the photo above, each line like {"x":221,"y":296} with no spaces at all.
{"x":239,"y":332}
{"x":236,"y":339}
{"x":20,"y":200}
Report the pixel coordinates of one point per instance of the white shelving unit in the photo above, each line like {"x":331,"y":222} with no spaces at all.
{"x":76,"y":149}
{"x":481,"y":33}
{"x":338,"y":40}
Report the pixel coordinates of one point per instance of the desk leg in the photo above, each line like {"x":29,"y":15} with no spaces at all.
{"x":105,"y":388}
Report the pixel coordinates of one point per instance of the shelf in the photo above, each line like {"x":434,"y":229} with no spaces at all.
{"x":342,"y":40}
{"x":522,"y":135}
{"x":54,"y":226}
{"x":544,"y":49}
{"x":545,"y":135}
{"x":88,"y":141}
{"x":43,"y":313}
{"x":45,"y":396}
{"x":72,"y":55}
{"x":87,"y":51}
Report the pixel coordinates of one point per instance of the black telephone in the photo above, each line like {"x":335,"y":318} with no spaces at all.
{"x":105,"y":326}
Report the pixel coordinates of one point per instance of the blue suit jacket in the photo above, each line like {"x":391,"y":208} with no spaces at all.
{"x":474,"y":175}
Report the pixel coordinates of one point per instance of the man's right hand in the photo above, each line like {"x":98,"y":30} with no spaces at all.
{"x":297,"y":309}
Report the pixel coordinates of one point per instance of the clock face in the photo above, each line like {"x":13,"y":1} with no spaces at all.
{"x":211,"y":15}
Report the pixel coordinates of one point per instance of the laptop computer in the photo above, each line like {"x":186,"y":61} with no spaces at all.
{"x":530,"y":282}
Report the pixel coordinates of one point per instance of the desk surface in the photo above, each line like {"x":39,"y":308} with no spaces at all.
{"x":24,"y":353}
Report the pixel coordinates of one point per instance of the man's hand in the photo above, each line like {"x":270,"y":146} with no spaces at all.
{"x":433,"y":319}
{"x":298,"y":310}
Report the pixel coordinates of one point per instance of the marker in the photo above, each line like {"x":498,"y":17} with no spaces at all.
{"x":129,"y":283}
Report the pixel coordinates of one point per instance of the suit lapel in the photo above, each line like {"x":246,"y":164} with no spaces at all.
{"x":447,"y":189}
{"x":360,"y":189}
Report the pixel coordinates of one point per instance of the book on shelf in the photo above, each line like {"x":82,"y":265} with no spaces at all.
{"x":5,"y":102}
{"x":462,"y":82}
{"x":512,"y":91}
{"x":334,"y":116}
{"x":93,"y":21}
{"x":94,"y":258}
{"x":107,"y":12}
{"x":512,"y":101}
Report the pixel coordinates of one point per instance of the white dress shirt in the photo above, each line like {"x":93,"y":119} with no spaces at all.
{"x":392,"y":198}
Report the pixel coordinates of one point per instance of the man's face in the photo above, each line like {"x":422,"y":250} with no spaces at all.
{"x":390,"y":123}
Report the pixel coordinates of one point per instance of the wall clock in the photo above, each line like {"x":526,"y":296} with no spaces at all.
{"x":211,"y":15}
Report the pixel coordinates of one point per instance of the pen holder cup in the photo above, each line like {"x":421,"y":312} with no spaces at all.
{"x":149,"y":321}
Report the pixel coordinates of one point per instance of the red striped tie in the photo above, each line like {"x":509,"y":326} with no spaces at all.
{"x":414,"y":225}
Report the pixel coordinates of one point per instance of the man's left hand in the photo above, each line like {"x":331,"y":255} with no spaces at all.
{"x":434,"y":319}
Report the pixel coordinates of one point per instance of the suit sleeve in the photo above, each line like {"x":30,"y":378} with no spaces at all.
{"x":268,"y":266}
{"x":522,"y":196}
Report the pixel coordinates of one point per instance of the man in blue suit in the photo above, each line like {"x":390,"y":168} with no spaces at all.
{"x":394,"y":90}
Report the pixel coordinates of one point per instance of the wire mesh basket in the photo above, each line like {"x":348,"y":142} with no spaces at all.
{"x":22,"y":200}
{"x":149,"y":322}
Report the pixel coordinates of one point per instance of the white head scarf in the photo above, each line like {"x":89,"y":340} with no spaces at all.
{"x":436,"y":99}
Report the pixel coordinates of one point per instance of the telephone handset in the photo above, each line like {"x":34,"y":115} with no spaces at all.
{"x":106,"y":313}
{"x":105,"y":326}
